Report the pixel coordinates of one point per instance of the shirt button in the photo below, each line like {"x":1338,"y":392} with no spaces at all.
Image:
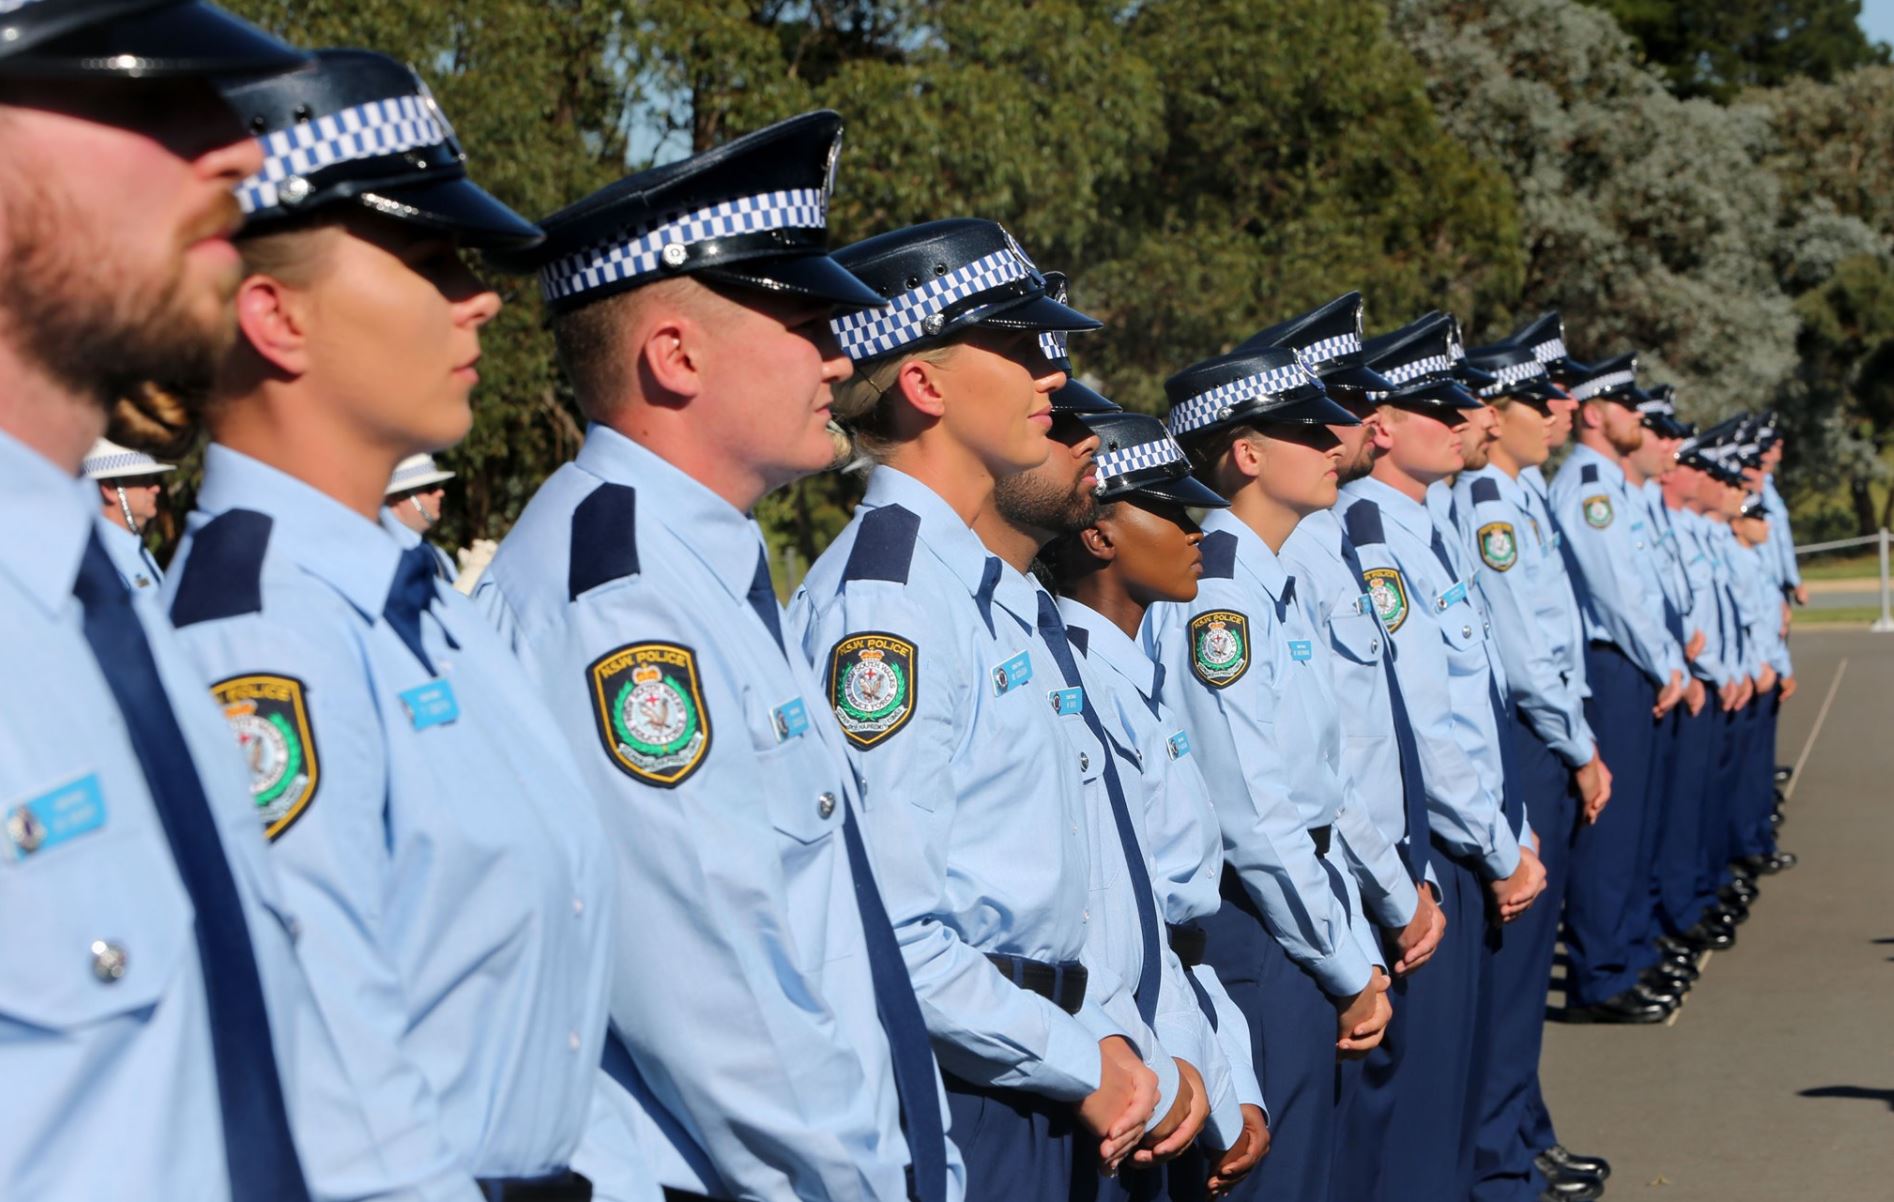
{"x":578,"y":906}
{"x":1466,"y":632}
{"x":1086,"y":916}
{"x":108,"y":961}
{"x":1085,"y":761}
{"x":572,"y":1040}
{"x":825,"y":804}
{"x":1374,"y":647}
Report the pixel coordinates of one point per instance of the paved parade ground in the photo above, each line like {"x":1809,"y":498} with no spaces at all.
{"x":1776,"y":1079}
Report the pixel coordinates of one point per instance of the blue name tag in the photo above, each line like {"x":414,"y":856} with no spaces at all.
{"x":1066,"y":702}
{"x":1301,"y":650}
{"x":431,"y":704}
{"x":1454,"y":595}
{"x":1637,"y":525}
{"x":52,"y":818}
{"x":1178,"y":745}
{"x":1557,"y":538}
{"x":1011,"y":674}
{"x":1364,"y":604}
{"x":790,"y":719}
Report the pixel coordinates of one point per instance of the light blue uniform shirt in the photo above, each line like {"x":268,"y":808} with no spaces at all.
{"x":1371,"y":755}
{"x":1759,"y":592}
{"x":443,"y":856}
{"x":975,"y":800}
{"x":1781,"y":537}
{"x":1441,"y":656}
{"x":1182,"y":842}
{"x":758,"y":1066}
{"x":1522,"y":580}
{"x":111,"y":1088}
{"x":136,"y":568}
{"x":1611,"y":573}
{"x":1260,"y":708}
{"x":1572,"y":623}
{"x":1711,"y":605}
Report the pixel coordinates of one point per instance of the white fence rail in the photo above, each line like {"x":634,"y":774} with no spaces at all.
{"x":1885,"y":623}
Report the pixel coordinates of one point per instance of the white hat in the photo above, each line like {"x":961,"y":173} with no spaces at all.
{"x":416,"y":471}
{"x":109,"y":461}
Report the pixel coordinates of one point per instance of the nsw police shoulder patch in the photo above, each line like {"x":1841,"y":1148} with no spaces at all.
{"x":649,"y":703}
{"x":1598,"y":511}
{"x":1219,"y":647}
{"x":1389,"y":593}
{"x":872,"y":682}
{"x":1499,"y":548}
{"x":270,"y":718}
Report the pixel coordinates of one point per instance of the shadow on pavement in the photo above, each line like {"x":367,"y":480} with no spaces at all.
{"x":1851,"y":1091}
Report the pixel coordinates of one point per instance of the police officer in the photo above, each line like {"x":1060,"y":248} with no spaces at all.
{"x":418,"y":803}
{"x":1759,"y":567}
{"x":1556,"y":768}
{"x":1635,"y":666}
{"x":1377,"y":756}
{"x":129,"y":485}
{"x":1776,"y":510}
{"x":1141,"y":547}
{"x":1417,"y":583}
{"x":1259,"y":703}
{"x":975,"y":792}
{"x":765,"y":1039}
{"x":414,"y":495}
{"x":150,"y":1005}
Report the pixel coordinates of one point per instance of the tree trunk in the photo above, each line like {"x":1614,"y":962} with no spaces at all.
{"x":1861,"y":491}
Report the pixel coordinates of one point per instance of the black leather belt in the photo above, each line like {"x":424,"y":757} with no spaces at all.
{"x":1319,"y":835}
{"x":1187,"y":940}
{"x":1061,"y":984}
{"x":554,"y":1187}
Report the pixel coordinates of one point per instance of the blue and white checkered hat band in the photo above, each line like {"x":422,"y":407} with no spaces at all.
{"x":1053,"y":344}
{"x":1661,"y":408}
{"x":1207,"y":408}
{"x":1333,"y":347}
{"x":872,"y":332}
{"x":640,"y":251}
{"x":1511,"y":375}
{"x":121,"y":462}
{"x":1605,"y":383}
{"x":1431,"y":365}
{"x":1550,"y":349}
{"x":1114,"y":466}
{"x":366,"y":131}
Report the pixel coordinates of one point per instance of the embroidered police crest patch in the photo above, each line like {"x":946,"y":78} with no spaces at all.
{"x":1598,"y":511}
{"x":1389,"y":593}
{"x":650,"y":708}
{"x":1497,"y":546}
{"x":872,"y":678}
{"x":1219,"y":647}
{"x":268,"y":715}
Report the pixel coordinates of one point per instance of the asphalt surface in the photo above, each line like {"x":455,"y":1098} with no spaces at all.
{"x":1776,"y":1078}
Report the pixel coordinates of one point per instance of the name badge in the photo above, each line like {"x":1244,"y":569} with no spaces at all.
{"x":1011,"y":674}
{"x":1637,"y":525}
{"x":1301,"y":650}
{"x":431,"y":704}
{"x":1453,"y":596}
{"x":1067,"y":702}
{"x":1557,"y":538}
{"x":1364,"y":604}
{"x":53,"y":818}
{"x":791,"y":719}
{"x":1178,"y":745}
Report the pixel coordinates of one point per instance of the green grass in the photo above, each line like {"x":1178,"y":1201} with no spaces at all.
{"x":1843,"y":567}
{"x":1847,"y":615}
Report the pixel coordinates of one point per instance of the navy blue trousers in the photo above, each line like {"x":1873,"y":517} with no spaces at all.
{"x":1292,"y":1038}
{"x":1721,"y":807}
{"x":1364,"y":1151}
{"x":1607,"y":902}
{"x":1677,"y":900}
{"x":1522,"y":973}
{"x":1756,"y":789}
{"x":1427,"y":1151}
{"x":1016,"y":1145}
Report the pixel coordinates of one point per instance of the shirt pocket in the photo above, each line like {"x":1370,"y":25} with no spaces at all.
{"x":804,"y":795}
{"x":97,"y":929}
{"x":1356,"y":633}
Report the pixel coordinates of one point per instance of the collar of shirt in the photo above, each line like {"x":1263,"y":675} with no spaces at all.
{"x":50,"y":515}
{"x":1404,"y":510}
{"x":1608,"y":470}
{"x":311,"y":528}
{"x":949,"y":539}
{"x":722,"y":537}
{"x":1106,"y":644}
{"x":1252,"y":554}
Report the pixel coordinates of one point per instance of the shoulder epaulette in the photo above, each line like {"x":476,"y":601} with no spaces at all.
{"x":223,"y":575}
{"x":1080,"y":638}
{"x":884,"y":545}
{"x":1588,"y":474}
{"x":1363,"y":521}
{"x":604,"y":539}
{"x":1485,"y":489}
{"x":1219,"y":555}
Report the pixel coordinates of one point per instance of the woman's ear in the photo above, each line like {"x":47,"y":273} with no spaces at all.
{"x":273,"y":318}
{"x":1098,"y":541}
{"x":1247,"y":456}
{"x":919,"y":384}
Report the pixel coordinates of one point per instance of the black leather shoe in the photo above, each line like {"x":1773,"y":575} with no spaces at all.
{"x":1782,"y":860}
{"x":1710,"y":936}
{"x":1625,"y":1008}
{"x":1668,"y":996}
{"x":1660,"y":983}
{"x":1556,"y":1161}
{"x":1740,"y":890}
{"x":1573,"y":1189}
{"x":1677,"y":947}
{"x":1729,"y":913}
{"x":1783,"y":773}
{"x":1676,"y":970}
{"x":1742,"y":872}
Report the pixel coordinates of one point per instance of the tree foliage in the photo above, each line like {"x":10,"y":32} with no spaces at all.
{"x":1715,"y":48}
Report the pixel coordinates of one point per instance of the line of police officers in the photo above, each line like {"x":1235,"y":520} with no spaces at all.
{"x":1053,"y":843}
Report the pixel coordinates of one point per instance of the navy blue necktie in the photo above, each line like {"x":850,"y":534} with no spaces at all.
{"x":1413,"y":788}
{"x":1440,"y":553}
{"x":1052,"y":630}
{"x":908,"y":1044}
{"x":258,"y":1150}
{"x":409,"y":597}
